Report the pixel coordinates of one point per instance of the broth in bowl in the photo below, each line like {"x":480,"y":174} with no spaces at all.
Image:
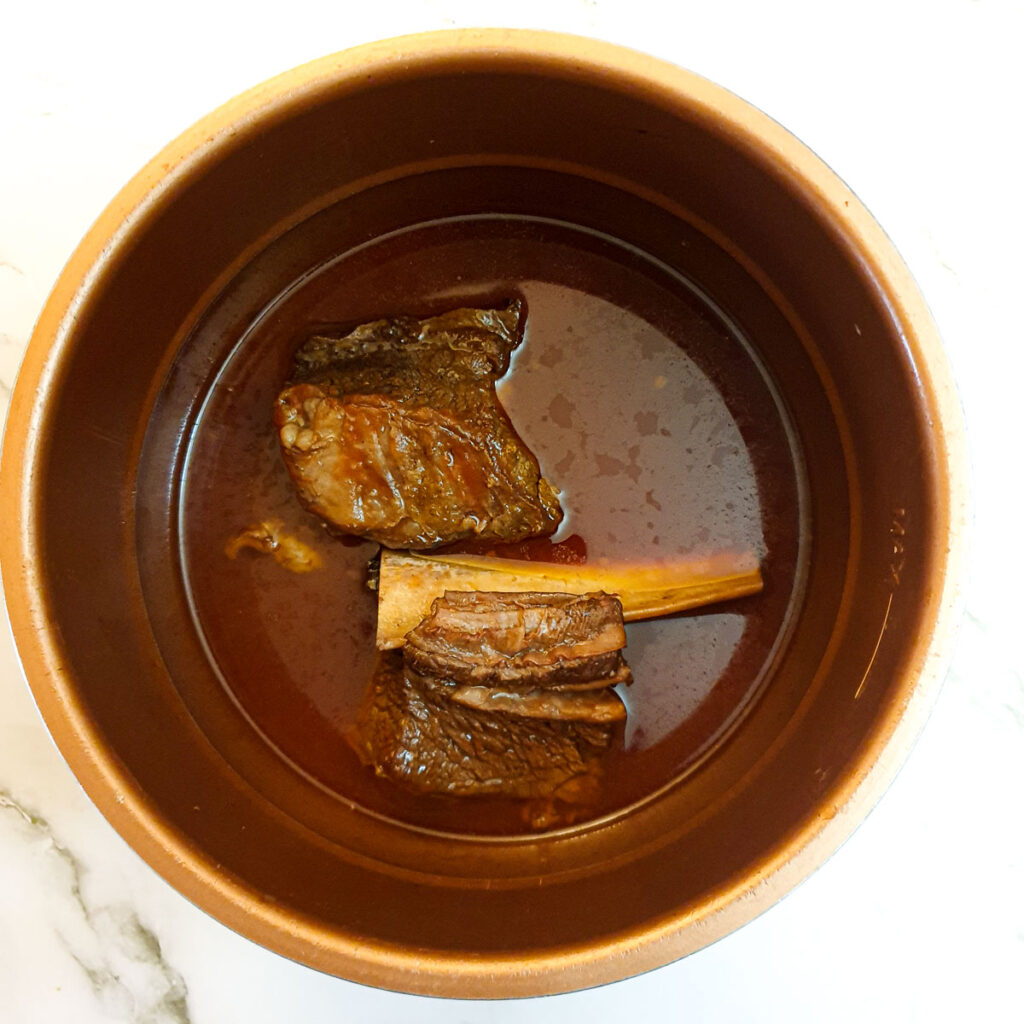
{"x":647,"y":409}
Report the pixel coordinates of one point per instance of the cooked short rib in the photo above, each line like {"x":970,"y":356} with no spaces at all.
{"x":394,"y":432}
{"x":415,"y":735}
{"x":503,"y":694}
{"x":524,"y":640}
{"x":597,"y":706}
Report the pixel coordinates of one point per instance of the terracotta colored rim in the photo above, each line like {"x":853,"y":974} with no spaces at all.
{"x":229,"y":899}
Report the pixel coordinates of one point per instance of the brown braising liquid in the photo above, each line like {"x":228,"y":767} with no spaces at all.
{"x":645,"y":409}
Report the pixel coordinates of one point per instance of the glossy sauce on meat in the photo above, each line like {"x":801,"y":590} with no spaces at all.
{"x":393,"y":432}
{"x":475,"y":702}
{"x":643,"y":406}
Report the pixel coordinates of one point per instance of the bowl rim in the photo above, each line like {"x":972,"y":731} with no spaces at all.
{"x":111,"y":787}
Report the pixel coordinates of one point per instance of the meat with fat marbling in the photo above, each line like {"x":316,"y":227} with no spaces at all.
{"x":393,"y":431}
{"x":500,"y":694}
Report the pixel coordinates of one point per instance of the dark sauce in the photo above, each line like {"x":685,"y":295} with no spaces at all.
{"x":645,"y":407}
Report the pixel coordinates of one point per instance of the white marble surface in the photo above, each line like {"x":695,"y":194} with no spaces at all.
{"x":920,"y":916}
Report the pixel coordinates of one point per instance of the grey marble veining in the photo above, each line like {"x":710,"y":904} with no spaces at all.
{"x":119,"y":956}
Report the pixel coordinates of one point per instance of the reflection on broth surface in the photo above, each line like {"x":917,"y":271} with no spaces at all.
{"x":649,"y":459}
{"x":643,"y":407}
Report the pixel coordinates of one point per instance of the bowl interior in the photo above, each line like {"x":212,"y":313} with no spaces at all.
{"x":692,"y":455}
{"x":654,"y":238}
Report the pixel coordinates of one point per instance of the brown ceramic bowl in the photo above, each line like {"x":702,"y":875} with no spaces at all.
{"x":204,"y":712}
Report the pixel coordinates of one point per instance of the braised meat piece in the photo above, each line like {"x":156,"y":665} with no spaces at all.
{"x":597,"y":706}
{"x":500,"y":694}
{"x":394,"y":432}
{"x":414,"y":734}
{"x":523,"y":640}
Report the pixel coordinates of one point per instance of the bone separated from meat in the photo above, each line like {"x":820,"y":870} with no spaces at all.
{"x":394,"y":432}
{"x":500,"y":694}
{"x":407,"y":584}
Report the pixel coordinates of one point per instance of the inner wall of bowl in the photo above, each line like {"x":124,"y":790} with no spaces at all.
{"x":821,"y":329}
